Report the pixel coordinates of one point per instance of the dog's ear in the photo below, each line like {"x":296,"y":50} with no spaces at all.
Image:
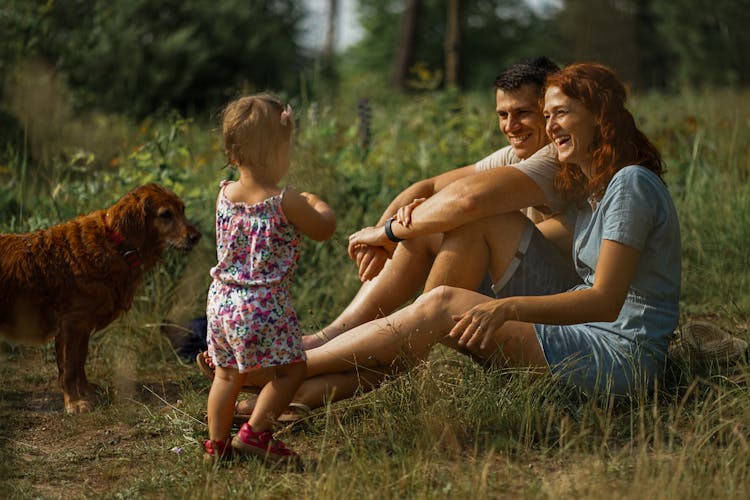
{"x":129,"y":217}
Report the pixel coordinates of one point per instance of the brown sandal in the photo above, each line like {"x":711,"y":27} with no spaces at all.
{"x":294,"y":413}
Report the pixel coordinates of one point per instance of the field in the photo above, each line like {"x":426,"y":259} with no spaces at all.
{"x":446,"y":429}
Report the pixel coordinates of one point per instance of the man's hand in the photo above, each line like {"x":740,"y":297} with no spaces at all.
{"x":403,"y":216}
{"x":370,"y":261}
{"x":370,"y":236}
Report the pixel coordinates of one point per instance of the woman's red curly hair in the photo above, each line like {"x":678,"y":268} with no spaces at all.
{"x":618,"y":143}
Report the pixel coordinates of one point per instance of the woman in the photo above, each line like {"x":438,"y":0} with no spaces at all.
{"x":608,"y":334}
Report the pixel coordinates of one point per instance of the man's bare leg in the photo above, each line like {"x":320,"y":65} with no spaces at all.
{"x":401,"y":278}
{"x":470,"y":251}
{"x":464,"y":258}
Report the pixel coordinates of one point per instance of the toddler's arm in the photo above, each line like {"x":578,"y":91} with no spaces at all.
{"x":311,"y":215}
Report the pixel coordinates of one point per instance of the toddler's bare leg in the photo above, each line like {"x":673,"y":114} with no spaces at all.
{"x":221,"y":398}
{"x":276,"y":395}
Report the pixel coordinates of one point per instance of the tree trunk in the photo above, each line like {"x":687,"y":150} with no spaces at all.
{"x":453,"y":44}
{"x":405,"y":42}
{"x":329,"y":44}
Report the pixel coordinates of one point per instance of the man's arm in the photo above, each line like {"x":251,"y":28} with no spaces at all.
{"x":495,"y":191}
{"x":471,"y":198}
{"x":425,"y":189}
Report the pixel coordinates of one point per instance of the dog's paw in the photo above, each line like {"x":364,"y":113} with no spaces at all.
{"x":89,"y":390}
{"x":78,"y":406}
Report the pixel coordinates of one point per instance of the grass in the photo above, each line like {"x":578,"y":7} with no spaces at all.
{"x":447,"y":428}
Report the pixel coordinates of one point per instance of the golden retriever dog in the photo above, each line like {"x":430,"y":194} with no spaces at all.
{"x":75,"y":278}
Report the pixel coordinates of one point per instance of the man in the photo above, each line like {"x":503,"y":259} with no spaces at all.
{"x":450,"y":225}
{"x":451,"y":200}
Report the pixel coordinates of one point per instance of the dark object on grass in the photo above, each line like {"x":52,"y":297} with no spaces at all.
{"x":187,"y":340}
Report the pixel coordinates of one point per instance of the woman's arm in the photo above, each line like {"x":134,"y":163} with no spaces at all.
{"x":615,"y":270}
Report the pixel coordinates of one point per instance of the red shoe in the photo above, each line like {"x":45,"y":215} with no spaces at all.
{"x":261,"y":444}
{"x":215,"y":451}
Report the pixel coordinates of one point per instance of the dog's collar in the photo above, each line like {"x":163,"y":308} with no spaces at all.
{"x":132,"y":257}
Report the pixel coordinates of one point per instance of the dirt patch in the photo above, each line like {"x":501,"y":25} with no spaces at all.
{"x":46,"y":453}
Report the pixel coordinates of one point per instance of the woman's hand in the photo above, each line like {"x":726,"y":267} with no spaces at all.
{"x":478,"y":324}
{"x":370,"y":236}
{"x":403,"y":216}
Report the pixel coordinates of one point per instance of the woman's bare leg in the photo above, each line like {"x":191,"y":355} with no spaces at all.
{"x":331,"y":387}
{"x":411,"y":332}
{"x":360,"y":358}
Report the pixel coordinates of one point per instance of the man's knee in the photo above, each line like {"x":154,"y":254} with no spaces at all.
{"x":471,"y":231}
{"x":428,"y":244}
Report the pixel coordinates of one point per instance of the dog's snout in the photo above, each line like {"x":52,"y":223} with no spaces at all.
{"x":194,"y":237}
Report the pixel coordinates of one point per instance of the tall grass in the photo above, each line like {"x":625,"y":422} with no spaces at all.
{"x":448,"y":428}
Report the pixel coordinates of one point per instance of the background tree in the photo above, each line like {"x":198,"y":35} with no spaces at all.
{"x":709,"y":39}
{"x":494,"y":33}
{"x":404,"y":50}
{"x":453,"y":42}
{"x":619,"y":33}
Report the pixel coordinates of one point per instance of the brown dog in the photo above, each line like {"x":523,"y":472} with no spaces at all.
{"x":75,"y":278}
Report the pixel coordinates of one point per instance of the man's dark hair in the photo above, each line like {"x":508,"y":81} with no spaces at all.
{"x":525,"y":71}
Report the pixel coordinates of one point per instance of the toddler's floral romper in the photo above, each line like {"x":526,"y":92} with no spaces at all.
{"x":251,"y":320}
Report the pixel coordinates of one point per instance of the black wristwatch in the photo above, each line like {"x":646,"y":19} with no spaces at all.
{"x":389,"y":232}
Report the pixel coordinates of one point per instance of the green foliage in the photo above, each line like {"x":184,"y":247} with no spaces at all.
{"x":700,"y":136}
{"x":709,"y":39}
{"x":494,"y":34}
{"x":141,"y":56}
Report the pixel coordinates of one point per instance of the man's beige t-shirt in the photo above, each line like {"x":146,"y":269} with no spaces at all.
{"x":542,"y":167}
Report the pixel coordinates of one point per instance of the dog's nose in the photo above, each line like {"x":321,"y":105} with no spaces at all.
{"x":195,"y":237}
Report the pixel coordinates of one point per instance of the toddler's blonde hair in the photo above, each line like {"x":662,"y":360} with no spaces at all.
{"x":252,"y":127}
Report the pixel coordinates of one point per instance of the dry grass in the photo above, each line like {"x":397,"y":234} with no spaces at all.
{"x":446,"y":429}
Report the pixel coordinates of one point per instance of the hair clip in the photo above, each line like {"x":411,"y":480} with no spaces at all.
{"x":286,"y":114}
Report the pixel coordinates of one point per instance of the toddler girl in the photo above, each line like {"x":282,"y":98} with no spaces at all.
{"x":251,"y":321}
